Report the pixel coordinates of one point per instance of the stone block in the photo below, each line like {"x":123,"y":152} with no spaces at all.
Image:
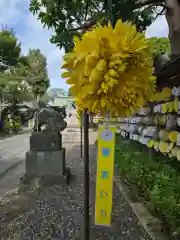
{"x":50,"y":141}
{"x":45,"y":163}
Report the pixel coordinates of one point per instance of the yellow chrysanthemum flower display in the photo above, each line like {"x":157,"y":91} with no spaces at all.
{"x":110,"y":70}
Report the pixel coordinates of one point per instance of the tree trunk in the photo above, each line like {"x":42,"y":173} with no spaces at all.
{"x":173,"y":20}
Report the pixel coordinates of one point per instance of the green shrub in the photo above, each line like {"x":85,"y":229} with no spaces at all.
{"x":156,"y":180}
{"x":10,"y":125}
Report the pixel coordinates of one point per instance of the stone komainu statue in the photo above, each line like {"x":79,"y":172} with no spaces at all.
{"x":49,"y":118}
{"x":46,"y":157}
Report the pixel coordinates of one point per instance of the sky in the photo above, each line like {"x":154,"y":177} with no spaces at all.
{"x":31,"y":34}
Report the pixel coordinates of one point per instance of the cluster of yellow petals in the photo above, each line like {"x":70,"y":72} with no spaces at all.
{"x":110,"y":70}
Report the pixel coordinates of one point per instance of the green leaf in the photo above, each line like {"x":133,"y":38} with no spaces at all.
{"x":34,"y":6}
{"x":63,"y":16}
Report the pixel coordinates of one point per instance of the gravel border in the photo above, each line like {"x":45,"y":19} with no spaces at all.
{"x":151,"y":225}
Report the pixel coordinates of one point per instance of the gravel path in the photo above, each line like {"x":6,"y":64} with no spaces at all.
{"x":57,"y":212}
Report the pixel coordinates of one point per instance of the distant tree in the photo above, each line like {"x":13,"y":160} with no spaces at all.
{"x":161,"y":46}
{"x":12,"y":89}
{"x":35,"y":71}
{"x":10,"y":49}
{"x":22,"y":78}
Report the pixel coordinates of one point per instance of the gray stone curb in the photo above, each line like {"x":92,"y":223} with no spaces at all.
{"x":151,"y":225}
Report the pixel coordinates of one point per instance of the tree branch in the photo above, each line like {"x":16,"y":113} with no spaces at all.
{"x":142,"y":3}
{"x":160,"y":13}
{"x":91,"y":22}
{"x":96,"y":7}
{"x":86,"y":9}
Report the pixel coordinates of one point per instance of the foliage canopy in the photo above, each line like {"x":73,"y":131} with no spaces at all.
{"x":73,"y":17}
{"x":160,"y":45}
{"x":21,"y":77}
{"x":10,"y":49}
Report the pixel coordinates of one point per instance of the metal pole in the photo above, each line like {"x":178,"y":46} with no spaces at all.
{"x":86,"y":177}
{"x":81,"y":134}
{"x":110,"y":11}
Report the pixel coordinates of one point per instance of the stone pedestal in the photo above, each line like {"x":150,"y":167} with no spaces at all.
{"x":45,"y":163}
{"x":46,"y":159}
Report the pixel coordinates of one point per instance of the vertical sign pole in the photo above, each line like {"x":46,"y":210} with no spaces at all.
{"x":105,"y":161}
{"x":105,"y":175}
{"x":81,"y":134}
{"x":86,"y":176}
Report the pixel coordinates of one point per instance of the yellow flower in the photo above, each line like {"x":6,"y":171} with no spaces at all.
{"x":110,"y":70}
{"x":173,"y":136}
{"x":165,"y":94}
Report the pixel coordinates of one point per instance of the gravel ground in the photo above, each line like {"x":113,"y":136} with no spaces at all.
{"x":57,"y":212}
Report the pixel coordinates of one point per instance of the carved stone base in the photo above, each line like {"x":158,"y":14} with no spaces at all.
{"x":44,"y":181}
{"x":45,"y":140}
{"x":56,"y":180}
{"x":45,"y":163}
